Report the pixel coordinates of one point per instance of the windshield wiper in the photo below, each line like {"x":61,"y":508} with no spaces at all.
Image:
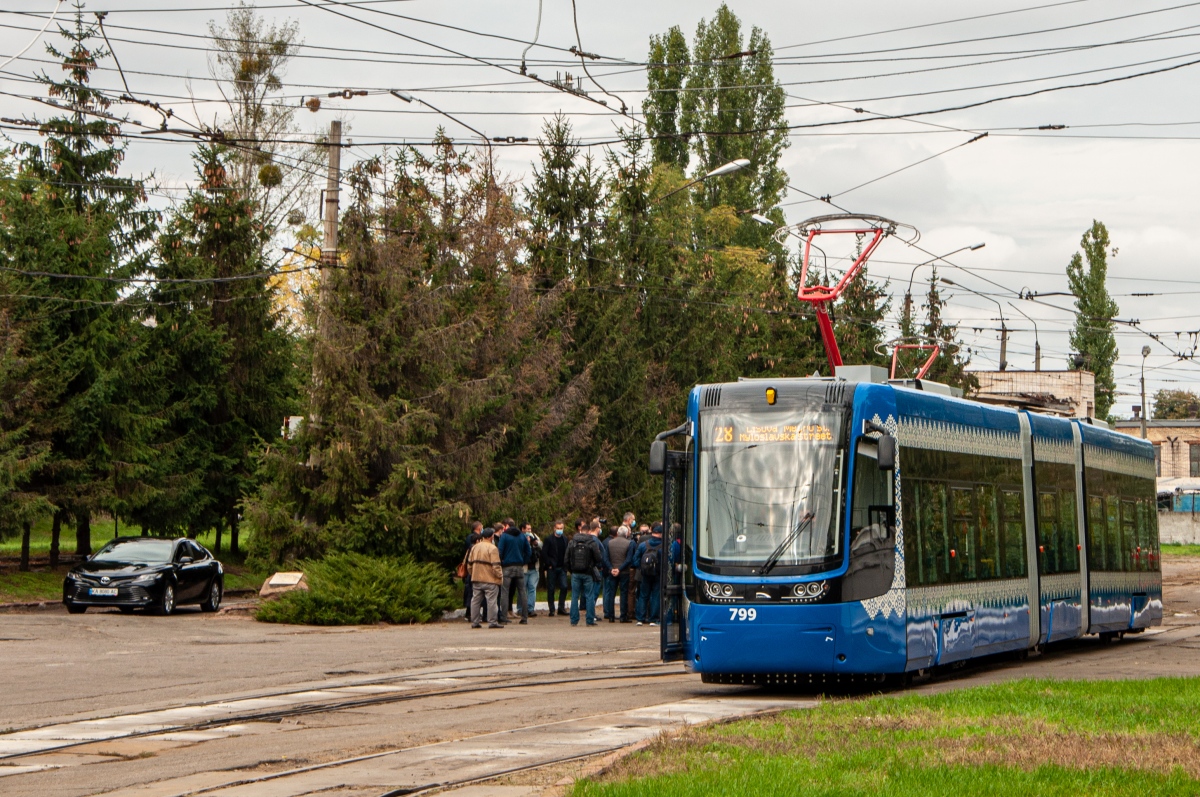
{"x":776,"y":554}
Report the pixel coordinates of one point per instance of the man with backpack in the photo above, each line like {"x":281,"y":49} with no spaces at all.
{"x":585,"y":561}
{"x":514,"y":553}
{"x":649,"y":562}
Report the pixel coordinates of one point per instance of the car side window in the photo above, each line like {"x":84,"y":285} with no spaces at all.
{"x":181,"y":550}
{"x":199,"y":552}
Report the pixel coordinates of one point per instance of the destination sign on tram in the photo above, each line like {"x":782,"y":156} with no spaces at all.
{"x":771,"y":433}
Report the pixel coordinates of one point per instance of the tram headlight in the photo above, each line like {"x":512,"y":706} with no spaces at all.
{"x":798,"y":590}
{"x":713,"y":589}
{"x":813,"y":589}
{"x":727,"y":590}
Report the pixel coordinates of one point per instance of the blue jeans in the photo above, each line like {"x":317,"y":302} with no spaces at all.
{"x":531,"y":582}
{"x":583,"y":588}
{"x":613,"y":585}
{"x":647,"y":604}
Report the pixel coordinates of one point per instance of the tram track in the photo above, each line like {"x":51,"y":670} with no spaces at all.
{"x":479,"y":683}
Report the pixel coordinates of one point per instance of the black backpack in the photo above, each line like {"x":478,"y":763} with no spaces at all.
{"x":578,"y":556}
{"x":650,"y":562}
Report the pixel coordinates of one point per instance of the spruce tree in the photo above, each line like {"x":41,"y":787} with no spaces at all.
{"x":79,"y":217}
{"x":951,"y":364}
{"x":227,"y":375}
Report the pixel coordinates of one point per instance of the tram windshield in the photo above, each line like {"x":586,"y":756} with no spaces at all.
{"x":770,"y":490}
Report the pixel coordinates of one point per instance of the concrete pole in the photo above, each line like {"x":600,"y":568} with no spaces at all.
{"x":329,"y":242}
{"x":1003,"y":346}
{"x":1145,"y":409}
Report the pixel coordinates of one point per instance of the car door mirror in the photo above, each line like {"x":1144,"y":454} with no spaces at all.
{"x":658,"y":457}
{"x":887,"y":452}
{"x":186,"y":560}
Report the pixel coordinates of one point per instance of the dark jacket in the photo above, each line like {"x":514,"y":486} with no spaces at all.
{"x":653,"y":542}
{"x":554,"y":551}
{"x":596,"y":558}
{"x":621,"y":562}
{"x":514,"y":548}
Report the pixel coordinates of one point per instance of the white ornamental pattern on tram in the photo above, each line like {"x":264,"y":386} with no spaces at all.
{"x":892,"y":600}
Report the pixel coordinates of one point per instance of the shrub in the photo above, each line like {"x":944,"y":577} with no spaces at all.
{"x":353,"y":589}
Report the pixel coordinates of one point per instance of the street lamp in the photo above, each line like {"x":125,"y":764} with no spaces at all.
{"x":1037,"y":343}
{"x":1145,"y":354}
{"x":720,"y":171}
{"x":1003,"y":325}
{"x":911,"y":276}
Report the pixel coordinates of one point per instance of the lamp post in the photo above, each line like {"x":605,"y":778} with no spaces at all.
{"x":913,"y":274}
{"x":1003,"y":325}
{"x":1145,"y":409}
{"x":720,"y":171}
{"x":1037,"y":343}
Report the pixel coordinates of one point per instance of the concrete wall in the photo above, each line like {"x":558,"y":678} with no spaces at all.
{"x":1179,"y":527}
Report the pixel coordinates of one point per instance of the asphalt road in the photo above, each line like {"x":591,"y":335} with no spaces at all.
{"x":328,"y":694}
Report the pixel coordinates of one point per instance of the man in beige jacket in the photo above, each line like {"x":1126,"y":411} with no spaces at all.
{"x":483,"y":563}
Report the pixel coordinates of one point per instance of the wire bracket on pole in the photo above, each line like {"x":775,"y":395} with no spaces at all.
{"x":869,"y":231}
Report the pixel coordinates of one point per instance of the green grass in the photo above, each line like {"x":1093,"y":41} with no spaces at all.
{"x":1172,"y":549}
{"x":102,"y":532}
{"x":28,"y":587}
{"x":1067,"y":738}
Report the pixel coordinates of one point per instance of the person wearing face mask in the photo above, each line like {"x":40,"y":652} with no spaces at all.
{"x":554,"y":551}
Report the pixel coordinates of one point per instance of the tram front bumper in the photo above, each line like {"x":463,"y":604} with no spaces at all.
{"x":765,"y":648}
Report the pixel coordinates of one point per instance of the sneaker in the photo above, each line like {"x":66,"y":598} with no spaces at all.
{"x":639,"y":622}
{"x":574,"y":624}
{"x":476,"y":625}
{"x":627,"y":621}
{"x":653,"y":624}
{"x":592,"y":624}
{"x":523,"y":622}
{"x":495,"y":625}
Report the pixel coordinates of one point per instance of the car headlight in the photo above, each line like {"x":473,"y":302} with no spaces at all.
{"x":146,"y":579}
{"x":74,"y":577}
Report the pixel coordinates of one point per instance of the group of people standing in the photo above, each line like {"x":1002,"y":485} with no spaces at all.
{"x":506,"y":562}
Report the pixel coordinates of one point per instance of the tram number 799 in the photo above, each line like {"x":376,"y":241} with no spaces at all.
{"x":743,"y":614}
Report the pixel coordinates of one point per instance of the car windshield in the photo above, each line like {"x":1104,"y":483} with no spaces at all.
{"x":150,"y":551}
{"x":770,"y":489}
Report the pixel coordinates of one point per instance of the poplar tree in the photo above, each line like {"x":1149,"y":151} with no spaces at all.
{"x":1092,"y":336}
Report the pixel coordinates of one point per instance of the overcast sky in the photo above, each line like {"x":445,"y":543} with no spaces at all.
{"x":1127,"y":157}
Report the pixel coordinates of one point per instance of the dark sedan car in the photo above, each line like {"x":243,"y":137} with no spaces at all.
{"x":146,"y":573}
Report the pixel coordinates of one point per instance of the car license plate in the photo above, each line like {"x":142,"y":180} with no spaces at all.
{"x":103,"y":592}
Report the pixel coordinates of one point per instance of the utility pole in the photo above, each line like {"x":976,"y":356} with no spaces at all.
{"x":1145,"y":409}
{"x":1003,"y":346}
{"x":329,"y":242}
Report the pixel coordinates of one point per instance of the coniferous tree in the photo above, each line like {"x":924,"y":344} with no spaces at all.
{"x":226,"y":363}
{"x":951,"y":364}
{"x":78,"y":217}
{"x":1093,"y":334}
{"x":443,"y":389}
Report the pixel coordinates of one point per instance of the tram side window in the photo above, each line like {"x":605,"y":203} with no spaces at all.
{"x":1112,"y":538}
{"x":1068,"y":529}
{"x":962,"y":538}
{"x":1048,"y":533}
{"x":872,"y":528}
{"x":1014,"y":534}
{"x":1097,"y":560}
{"x":988,"y":556}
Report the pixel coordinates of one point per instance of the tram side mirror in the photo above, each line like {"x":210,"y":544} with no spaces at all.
{"x":658,"y":457}
{"x":887,"y":452}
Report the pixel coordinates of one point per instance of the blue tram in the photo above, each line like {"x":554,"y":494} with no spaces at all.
{"x":827,"y":527}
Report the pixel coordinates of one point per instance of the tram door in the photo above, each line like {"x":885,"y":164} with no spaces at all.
{"x":675,"y":555}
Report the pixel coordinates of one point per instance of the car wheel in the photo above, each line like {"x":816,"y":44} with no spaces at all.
{"x":75,"y":608}
{"x":214,"y":598}
{"x":166,"y":602}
